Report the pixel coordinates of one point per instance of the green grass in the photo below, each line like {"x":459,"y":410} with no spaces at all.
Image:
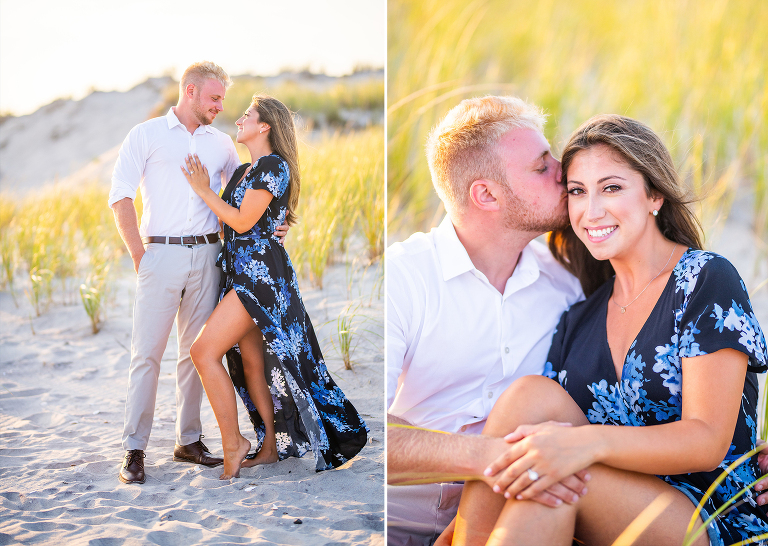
{"x":69,"y":239}
{"x":695,"y":73}
{"x":342,"y":196}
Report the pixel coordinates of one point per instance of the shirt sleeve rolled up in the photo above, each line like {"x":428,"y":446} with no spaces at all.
{"x":129,"y":168}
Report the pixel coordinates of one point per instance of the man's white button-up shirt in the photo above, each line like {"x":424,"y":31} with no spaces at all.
{"x":454,"y":343}
{"x":151,"y":158}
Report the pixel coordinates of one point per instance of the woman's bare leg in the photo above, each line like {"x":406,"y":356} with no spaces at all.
{"x":252,"y":351}
{"x":228,"y":324}
{"x":520,"y":404}
{"x":615,"y":498}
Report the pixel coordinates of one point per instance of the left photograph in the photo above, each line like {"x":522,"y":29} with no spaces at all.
{"x":191,"y":291}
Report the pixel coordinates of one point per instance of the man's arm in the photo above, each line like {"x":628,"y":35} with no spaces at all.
{"x":422,"y":456}
{"x":128,"y":227}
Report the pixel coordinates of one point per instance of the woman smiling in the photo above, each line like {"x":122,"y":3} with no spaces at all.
{"x":664,"y":351}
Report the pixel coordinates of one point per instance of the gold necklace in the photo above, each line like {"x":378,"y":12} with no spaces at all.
{"x":624,"y":307}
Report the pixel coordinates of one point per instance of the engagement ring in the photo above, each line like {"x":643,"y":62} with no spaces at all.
{"x":533,"y":475}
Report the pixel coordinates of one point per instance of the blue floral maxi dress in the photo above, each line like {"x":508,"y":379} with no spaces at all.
{"x":311,"y":412}
{"x":703,"y":308}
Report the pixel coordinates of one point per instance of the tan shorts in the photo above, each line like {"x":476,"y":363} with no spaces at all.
{"x":417,"y":514}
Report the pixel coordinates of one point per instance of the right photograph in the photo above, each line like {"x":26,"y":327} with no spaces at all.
{"x":576,"y":273}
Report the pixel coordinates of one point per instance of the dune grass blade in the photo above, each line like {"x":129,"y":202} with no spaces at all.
{"x":40,"y":288}
{"x":93,"y":293}
{"x":633,"y":531}
{"x":751,"y":540}
{"x":690,"y":535}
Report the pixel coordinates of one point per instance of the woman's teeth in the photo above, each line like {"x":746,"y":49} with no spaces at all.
{"x":600,"y":232}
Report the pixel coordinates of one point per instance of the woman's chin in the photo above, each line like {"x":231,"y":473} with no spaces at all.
{"x":600,"y":252}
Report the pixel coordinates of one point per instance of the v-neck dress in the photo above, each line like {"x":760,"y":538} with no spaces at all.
{"x":311,"y":411}
{"x":704,"y":308}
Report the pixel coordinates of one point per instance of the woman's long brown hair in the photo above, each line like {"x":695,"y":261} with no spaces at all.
{"x":640,"y":148}
{"x":282,"y":139}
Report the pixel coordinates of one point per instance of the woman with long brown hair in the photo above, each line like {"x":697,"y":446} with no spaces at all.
{"x":291,"y":399}
{"x":654,"y":390}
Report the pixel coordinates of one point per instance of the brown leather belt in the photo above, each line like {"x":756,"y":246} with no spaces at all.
{"x":190,"y":240}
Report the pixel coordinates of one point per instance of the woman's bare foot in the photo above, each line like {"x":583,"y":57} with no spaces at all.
{"x":266,"y":455}
{"x":233,"y":460}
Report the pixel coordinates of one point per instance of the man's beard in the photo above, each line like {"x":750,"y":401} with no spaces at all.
{"x":520,"y":216}
{"x":197,"y":110}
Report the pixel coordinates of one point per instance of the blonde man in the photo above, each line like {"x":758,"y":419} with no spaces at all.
{"x":174,"y":253}
{"x":471,"y":306}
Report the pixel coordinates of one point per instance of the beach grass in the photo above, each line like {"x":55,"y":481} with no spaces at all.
{"x":58,"y":236}
{"x":342,"y":195}
{"x":694,"y":74}
{"x":353,"y":101}
{"x":321,"y":105}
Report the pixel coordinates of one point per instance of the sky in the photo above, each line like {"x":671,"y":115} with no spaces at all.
{"x":51,"y":49}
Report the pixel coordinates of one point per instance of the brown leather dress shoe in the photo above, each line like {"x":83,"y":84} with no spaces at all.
{"x":197,"y":453}
{"x":132,"y":470}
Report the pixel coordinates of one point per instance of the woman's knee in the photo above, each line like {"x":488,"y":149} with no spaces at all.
{"x":201,"y":354}
{"x":531,"y":399}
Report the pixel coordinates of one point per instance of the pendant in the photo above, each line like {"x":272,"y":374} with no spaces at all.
{"x":623,"y":309}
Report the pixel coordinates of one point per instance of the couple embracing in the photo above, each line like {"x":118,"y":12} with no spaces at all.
{"x":537,"y":415}
{"x":180,"y":163}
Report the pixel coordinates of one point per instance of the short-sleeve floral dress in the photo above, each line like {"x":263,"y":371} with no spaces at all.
{"x":704,"y":308}
{"x":311,"y":412}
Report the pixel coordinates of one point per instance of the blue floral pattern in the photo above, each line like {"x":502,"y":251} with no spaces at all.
{"x":311,"y":412}
{"x":703,"y":308}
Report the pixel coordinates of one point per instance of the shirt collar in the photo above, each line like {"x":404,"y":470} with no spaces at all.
{"x":526,"y":272}
{"x":454,"y":259}
{"x":173,"y":121}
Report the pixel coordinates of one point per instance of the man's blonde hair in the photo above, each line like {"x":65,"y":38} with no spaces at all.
{"x":462,"y":147}
{"x":204,"y":70}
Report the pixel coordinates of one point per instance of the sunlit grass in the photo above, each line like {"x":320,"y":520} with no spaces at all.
{"x":342,"y":195}
{"x":60,"y":238}
{"x":319,"y":104}
{"x":323,"y":105}
{"x":695,"y":73}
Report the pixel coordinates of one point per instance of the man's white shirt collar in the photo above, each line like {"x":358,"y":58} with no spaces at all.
{"x":455,"y":261}
{"x":173,"y":121}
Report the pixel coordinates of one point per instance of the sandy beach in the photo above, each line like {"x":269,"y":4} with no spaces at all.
{"x":62,"y":396}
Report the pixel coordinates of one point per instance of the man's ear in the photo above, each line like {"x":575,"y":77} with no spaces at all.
{"x":483,"y":194}
{"x":189,"y":90}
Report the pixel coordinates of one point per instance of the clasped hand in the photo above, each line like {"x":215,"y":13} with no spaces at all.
{"x":543,"y":458}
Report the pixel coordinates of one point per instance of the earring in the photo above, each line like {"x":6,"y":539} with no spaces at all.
{"x":655,"y":213}
{"x":261,"y":131}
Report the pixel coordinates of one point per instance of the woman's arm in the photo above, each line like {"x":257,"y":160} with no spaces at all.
{"x":255,"y":202}
{"x":711,"y":396}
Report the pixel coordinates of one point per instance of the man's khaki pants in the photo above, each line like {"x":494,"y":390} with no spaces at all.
{"x":417,"y":514}
{"x":173,"y":281}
